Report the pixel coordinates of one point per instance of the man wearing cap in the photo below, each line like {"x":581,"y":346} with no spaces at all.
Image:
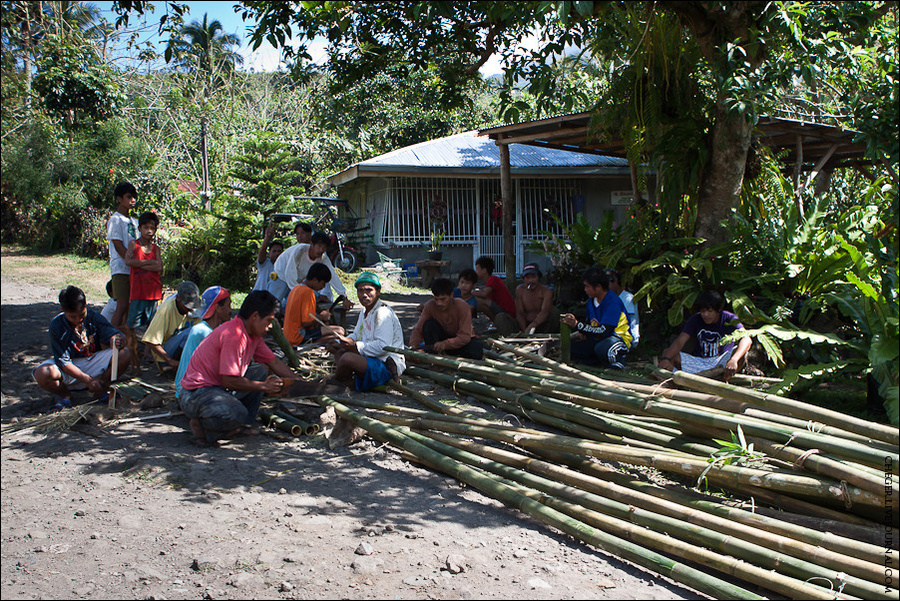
{"x":220,"y":391}
{"x":216,"y":309}
{"x":169,"y":328}
{"x":534,"y":304}
{"x":363,"y":354}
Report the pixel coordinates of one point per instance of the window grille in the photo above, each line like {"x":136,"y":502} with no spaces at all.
{"x":541,"y":198}
{"x":418,"y":204}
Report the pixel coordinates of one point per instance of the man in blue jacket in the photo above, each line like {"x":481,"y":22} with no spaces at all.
{"x":77,"y":338}
{"x":603,"y":338}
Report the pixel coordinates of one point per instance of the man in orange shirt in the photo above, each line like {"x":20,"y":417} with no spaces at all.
{"x":299,"y":327}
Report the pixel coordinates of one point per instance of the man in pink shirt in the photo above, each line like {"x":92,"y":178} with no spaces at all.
{"x":221,"y":393}
{"x":445,"y":325}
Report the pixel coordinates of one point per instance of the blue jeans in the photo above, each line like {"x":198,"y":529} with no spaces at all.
{"x":221,"y":411}
{"x":606,"y":352}
{"x":174,"y":345}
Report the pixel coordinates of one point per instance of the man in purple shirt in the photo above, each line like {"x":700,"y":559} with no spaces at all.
{"x":707,"y":328}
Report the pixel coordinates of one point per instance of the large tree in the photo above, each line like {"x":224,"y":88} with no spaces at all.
{"x":205,"y":46}
{"x":741,"y":55}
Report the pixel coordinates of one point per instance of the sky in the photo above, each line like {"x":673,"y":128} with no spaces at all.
{"x":264,"y":58}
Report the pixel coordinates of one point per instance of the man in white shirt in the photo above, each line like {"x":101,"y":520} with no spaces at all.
{"x":293,"y":264}
{"x":362,"y":354}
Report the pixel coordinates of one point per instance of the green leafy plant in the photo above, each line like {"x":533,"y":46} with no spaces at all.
{"x":435,"y":239}
{"x":734,"y":452}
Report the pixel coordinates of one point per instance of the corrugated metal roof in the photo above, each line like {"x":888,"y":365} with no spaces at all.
{"x":469,"y":152}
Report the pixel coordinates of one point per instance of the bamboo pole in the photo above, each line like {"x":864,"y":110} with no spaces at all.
{"x":289,"y":352}
{"x":681,"y":412}
{"x":649,"y":559}
{"x":556,"y":475}
{"x":841,"y":537}
{"x":882,"y":432}
{"x":566,"y":419}
{"x":307,"y":428}
{"x":728,"y":476}
{"x":273,"y":421}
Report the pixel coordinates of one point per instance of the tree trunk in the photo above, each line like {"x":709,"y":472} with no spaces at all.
{"x":720,"y":188}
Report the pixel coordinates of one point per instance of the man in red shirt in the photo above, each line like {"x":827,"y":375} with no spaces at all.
{"x":220,"y":395}
{"x":445,"y":325}
{"x":494,"y":299}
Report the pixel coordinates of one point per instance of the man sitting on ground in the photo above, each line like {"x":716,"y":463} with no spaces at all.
{"x":299,"y":327}
{"x":706,"y":328}
{"x":362,"y":353}
{"x":221,"y":393}
{"x":445,"y":325}
{"x":534,"y":304}
{"x":627,"y":298}
{"x":76,"y":336}
{"x":494,"y":299}
{"x":603,"y":338}
{"x":170,"y":326}
{"x":216,"y":311}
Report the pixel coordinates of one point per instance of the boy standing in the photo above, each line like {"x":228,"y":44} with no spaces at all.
{"x":445,"y":325}
{"x":120,"y":231}
{"x":534,"y":304}
{"x":265,"y":259}
{"x":362,"y":354}
{"x":603,"y":338}
{"x":299,"y":327}
{"x":146,"y":270}
{"x":494,"y":300}
{"x":76,"y":336}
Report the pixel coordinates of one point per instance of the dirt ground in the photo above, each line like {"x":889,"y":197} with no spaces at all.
{"x":142,"y":513}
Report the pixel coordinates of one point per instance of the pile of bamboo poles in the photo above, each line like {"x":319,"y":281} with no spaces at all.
{"x":831,"y":477}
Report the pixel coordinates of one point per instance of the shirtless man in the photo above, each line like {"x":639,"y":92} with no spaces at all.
{"x":534,"y":304}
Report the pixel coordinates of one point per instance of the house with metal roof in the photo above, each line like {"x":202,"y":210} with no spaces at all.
{"x":452,"y":185}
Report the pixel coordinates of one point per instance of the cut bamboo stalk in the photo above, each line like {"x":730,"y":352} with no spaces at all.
{"x":727,"y":476}
{"x":649,"y":559}
{"x":286,"y":347}
{"x":570,"y":422}
{"x":307,"y":428}
{"x":839,"y":536}
{"x":273,"y":421}
{"x":882,"y":432}
{"x":873,"y":572}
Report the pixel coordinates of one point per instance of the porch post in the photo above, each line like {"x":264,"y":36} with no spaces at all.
{"x":508,"y":210}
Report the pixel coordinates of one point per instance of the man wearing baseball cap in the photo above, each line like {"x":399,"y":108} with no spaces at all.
{"x":170,"y":326}
{"x":534,"y":304}
{"x":362,"y":354}
{"x":216,"y":309}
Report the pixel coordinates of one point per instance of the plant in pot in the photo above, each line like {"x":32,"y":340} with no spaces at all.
{"x":433,"y":245}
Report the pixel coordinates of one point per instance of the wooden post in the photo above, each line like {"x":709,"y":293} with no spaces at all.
{"x":509,"y":252}
{"x":204,"y":162}
{"x":565,"y":342}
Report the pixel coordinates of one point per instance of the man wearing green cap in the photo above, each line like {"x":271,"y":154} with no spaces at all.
{"x":362,"y":353}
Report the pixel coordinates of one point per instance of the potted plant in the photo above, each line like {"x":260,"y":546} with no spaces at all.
{"x":433,"y":246}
